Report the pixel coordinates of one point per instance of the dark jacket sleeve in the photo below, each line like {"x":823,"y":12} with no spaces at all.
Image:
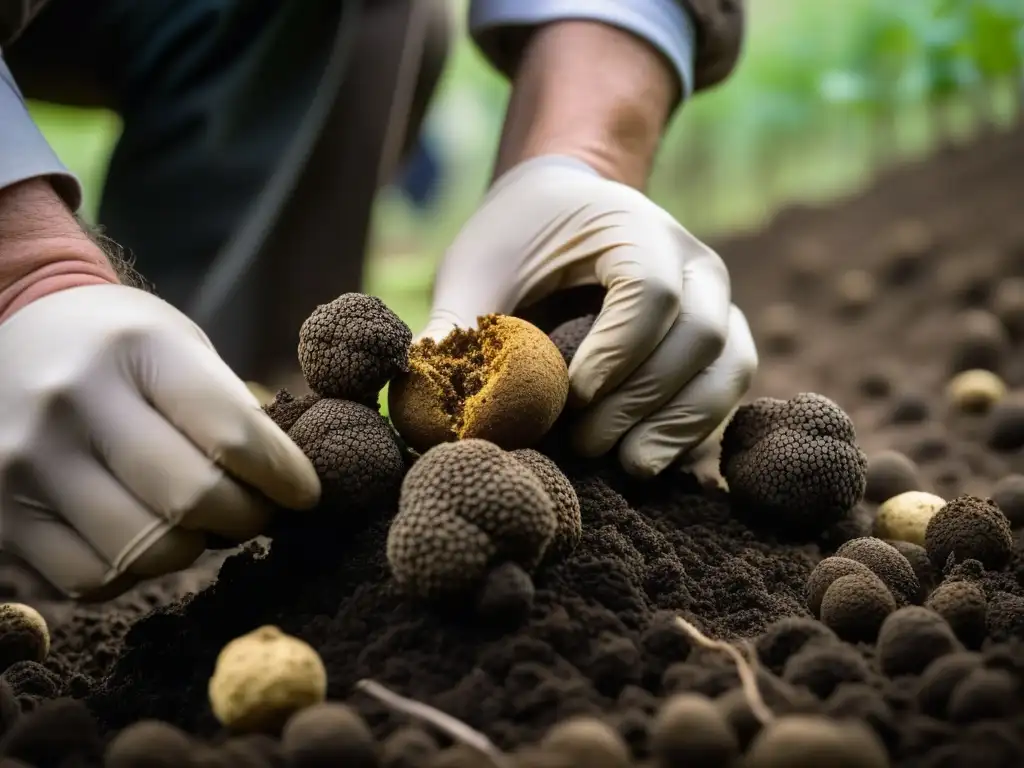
{"x":24,"y":152}
{"x":15,"y":16}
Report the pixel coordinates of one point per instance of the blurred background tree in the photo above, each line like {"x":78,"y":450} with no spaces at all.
{"x":827,"y":94}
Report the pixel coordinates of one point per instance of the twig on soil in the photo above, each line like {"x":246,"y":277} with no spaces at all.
{"x":748,"y":679}
{"x":453,"y":728}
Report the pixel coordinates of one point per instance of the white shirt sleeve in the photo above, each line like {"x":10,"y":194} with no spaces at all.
{"x":665,"y":24}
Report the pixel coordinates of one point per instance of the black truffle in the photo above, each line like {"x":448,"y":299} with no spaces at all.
{"x":1008,"y":494}
{"x":821,"y":668}
{"x":911,"y":638}
{"x":1008,"y":305}
{"x":964,"y":606}
{"x":570,"y":334}
{"x":567,"y":504}
{"x":351,"y":347}
{"x":589,"y":742}
{"x":150,"y":744}
{"x":908,"y":408}
{"x":794,"y":464}
{"x":506,"y":597}
{"x":787,"y":636}
{"x":918,"y":558}
{"x":1006,"y":424}
{"x":855,"y":606}
{"x":984,"y":694}
{"x":690,"y":730}
{"x":811,"y":741}
{"x":969,"y":527}
{"x":862,"y":702}
{"x":887,"y":564}
{"x":1005,"y":618}
{"x":326,"y":735}
{"x":60,"y":732}
{"x":285,"y":409}
{"x":465,"y":506}
{"x":825,"y":573}
{"x":890,"y":473}
{"x":354,"y":451}
{"x":941,"y":678}
{"x":979,"y":340}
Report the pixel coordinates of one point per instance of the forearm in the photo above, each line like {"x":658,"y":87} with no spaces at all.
{"x":590,"y":91}
{"x":43,"y":248}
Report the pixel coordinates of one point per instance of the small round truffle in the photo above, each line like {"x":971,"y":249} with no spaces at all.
{"x":589,"y":742}
{"x":975,"y":391}
{"x":911,"y":638}
{"x":567,"y":503}
{"x":285,"y":409}
{"x":787,"y":636}
{"x":1006,"y":424}
{"x":505,"y":382}
{"x":793,"y":464}
{"x":779,"y":328}
{"x":506,"y":597}
{"x":408,"y":747}
{"x":351,"y":347}
{"x":907,"y":250}
{"x":963,"y":605}
{"x":969,"y":528}
{"x":918,"y":558}
{"x":822,"y":668}
{"x":1005,"y":618}
{"x":811,"y":741}
{"x":890,"y":473}
{"x":855,"y":606}
{"x":262,"y":678}
{"x":690,"y":730}
{"x":353,"y":450}
{"x":568,"y":336}
{"x":464,"y":506}
{"x":979,"y":340}
{"x":941,"y":678}
{"x":825,"y":573}
{"x":856,"y":290}
{"x":984,"y":694}
{"x":887,"y":564}
{"x":150,"y":744}
{"x":1008,"y":494}
{"x":1007,"y":304}
{"x":24,"y":635}
{"x":875,"y":383}
{"x":905,"y":517}
{"x":908,"y":408}
{"x":326,"y":735}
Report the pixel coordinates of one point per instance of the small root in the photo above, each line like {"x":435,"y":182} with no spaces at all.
{"x":453,"y":728}
{"x":745,"y":670}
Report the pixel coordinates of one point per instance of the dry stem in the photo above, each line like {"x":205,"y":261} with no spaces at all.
{"x":748,"y":679}
{"x":453,"y":728}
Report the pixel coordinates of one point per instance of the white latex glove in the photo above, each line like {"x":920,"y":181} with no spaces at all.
{"x":669,"y":355}
{"x":124,"y":439}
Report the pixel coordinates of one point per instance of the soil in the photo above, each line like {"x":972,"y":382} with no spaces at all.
{"x":601,"y":638}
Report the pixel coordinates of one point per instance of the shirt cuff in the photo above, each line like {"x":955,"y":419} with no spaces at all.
{"x":663,"y":23}
{"x":24,"y":152}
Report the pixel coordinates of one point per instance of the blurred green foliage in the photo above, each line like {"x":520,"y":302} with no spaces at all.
{"x":824,"y":93}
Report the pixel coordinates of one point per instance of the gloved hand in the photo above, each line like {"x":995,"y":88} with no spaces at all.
{"x":124,"y":439}
{"x":669,"y":356}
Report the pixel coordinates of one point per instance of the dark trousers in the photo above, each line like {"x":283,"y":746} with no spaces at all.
{"x":253,"y":132}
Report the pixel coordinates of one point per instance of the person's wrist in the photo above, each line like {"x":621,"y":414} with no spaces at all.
{"x":43,"y":249}
{"x":593,"y":92}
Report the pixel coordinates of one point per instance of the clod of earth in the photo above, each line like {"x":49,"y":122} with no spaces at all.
{"x":504,"y":382}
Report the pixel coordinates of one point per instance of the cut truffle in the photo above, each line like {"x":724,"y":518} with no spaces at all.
{"x":690,"y":730}
{"x":464,"y":507}
{"x":351,"y":347}
{"x":911,"y":638}
{"x":890,"y":473}
{"x":855,"y":606}
{"x":504,"y":382}
{"x":940,"y":679}
{"x":567,"y":504}
{"x":285,"y":409}
{"x":353,"y":450}
{"x":887,"y":564}
{"x":969,"y":527}
{"x":964,"y":606}
{"x":820,"y":668}
{"x":793,"y":464}
{"x":1008,"y":494}
{"x":24,"y":635}
{"x":812,"y":741}
{"x":825,"y":573}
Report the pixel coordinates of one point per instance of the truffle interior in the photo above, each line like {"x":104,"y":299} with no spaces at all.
{"x":461,"y":364}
